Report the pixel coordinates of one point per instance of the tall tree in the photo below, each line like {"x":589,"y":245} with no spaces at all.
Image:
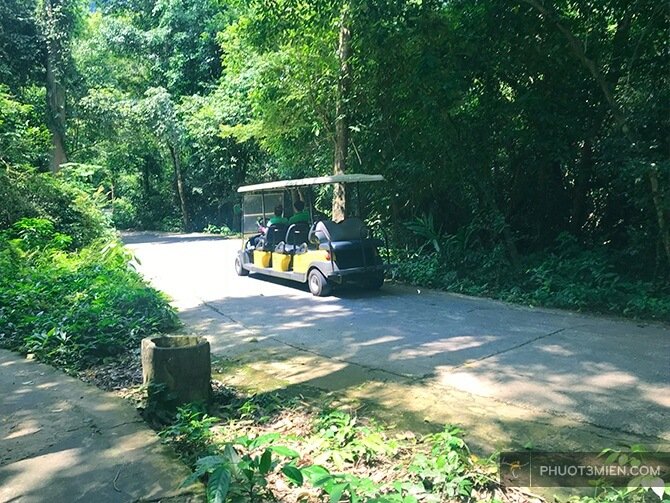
{"x":607,"y":81}
{"x":342,"y":111}
{"x":58,"y":19}
{"x":161,"y":113}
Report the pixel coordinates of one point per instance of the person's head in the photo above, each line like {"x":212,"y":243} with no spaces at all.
{"x":279,"y":209}
{"x":299,"y":205}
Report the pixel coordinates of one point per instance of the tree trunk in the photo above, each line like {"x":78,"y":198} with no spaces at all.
{"x":55,"y":89}
{"x":580,"y":193}
{"x":180,"y":188}
{"x":342,"y":117}
{"x":176,"y":370}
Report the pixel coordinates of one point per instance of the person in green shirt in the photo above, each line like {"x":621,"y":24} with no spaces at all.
{"x":300,"y":215}
{"x":278,"y":218}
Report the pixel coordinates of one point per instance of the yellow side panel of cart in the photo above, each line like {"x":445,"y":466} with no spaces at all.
{"x":262,"y":258}
{"x":302,"y":261}
{"x":281,"y":261}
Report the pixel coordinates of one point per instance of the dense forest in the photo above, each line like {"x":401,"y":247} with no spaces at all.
{"x":525,"y":142}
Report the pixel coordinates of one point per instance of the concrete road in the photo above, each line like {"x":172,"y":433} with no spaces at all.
{"x":62,"y":440}
{"x":468,"y":360}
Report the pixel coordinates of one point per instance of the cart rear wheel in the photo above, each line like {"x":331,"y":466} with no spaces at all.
{"x":239,"y":269}
{"x":318,"y":284}
{"x":375,"y":281}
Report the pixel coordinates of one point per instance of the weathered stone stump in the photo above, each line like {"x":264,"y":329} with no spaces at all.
{"x":177,"y":370}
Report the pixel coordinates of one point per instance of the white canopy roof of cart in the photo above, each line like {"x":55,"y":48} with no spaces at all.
{"x":319,"y":180}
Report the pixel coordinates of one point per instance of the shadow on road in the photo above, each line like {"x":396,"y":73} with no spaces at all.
{"x":595,"y":382}
{"x":476,"y":359}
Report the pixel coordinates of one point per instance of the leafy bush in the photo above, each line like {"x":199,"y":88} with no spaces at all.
{"x":124,"y":214}
{"x":248,"y":460}
{"x":24,"y":139}
{"x":567,"y":275}
{"x":249,"y":467}
{"x":224,"y":230}
{"x":71,"y":210}
{"x":190,"y":431}
{"x":73,"y":309}
{"x":240,"y":472}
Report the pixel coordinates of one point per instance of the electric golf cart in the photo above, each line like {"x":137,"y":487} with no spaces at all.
{"x":307,"y":247}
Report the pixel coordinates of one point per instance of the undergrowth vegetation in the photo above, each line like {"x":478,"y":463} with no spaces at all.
{"x":279,"y":450}
{"x":270,"y":448}
{"x":570,"y":277}
{"x":67,"y":292}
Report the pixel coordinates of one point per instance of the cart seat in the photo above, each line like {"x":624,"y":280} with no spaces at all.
{"x":351,"y":229}
{"x":352,"y":243}
{"x":273,"y":236}
{"x":297,"y":234}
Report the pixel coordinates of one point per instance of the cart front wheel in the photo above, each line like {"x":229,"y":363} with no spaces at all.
{"x":318,"y":284}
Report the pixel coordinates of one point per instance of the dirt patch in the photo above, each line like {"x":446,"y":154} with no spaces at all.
{"x":116,"y":375}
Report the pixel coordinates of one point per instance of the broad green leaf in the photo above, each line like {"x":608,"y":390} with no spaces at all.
{"x":293,"y":473}
{"x":218,"y":485}
{"x":263,"y":440}
{"x":208,"y":462}
{"x":266,"y":462}
{"x":284,"y":451}
{"x":315,"y":473}
{"x":337,"y":491}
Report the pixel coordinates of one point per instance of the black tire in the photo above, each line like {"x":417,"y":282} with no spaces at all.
{"x":375,"y":281}
{"x":318,"y":284}
{"x":241,"y":271}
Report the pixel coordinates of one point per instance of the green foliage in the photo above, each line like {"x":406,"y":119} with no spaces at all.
{"x":435,"y":468}
{"x":492,"y":153}
{"x":424,"y":227}
{"x":247,"y":467}
{"x":38,"y":233}
{"x":349,"y":442}
{"x":71,"y":210}
{"x":190,"y":431}
{"x":20,"y":48}
{"x":240,"y":472}
{"x":448,"y":470}
{"x":571,"y":276}
{"x":23,"y":140}
{"x":124,"y":214}
{"x":342,"y":486}
{"x":224,"y":230}
{"x":73,"y":308}
{"x":640,"y":489}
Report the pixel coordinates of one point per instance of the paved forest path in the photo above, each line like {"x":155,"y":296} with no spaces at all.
{"x":511,"y":375}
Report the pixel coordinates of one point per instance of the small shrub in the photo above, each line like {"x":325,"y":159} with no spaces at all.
{"x":191,"y":431}
{"x":72,"y":211}
{"x":224,"y":230}
{"x":124,"y":214}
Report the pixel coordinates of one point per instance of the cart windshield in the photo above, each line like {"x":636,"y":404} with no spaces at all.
{"x":259,"y":206}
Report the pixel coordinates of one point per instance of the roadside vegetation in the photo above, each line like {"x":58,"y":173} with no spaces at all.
{"x":68,"y":295}
{"x":567,"y":277}
{"x":269,"y":447}
{"x":525,"y":147}
{"x":537,"y":176}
